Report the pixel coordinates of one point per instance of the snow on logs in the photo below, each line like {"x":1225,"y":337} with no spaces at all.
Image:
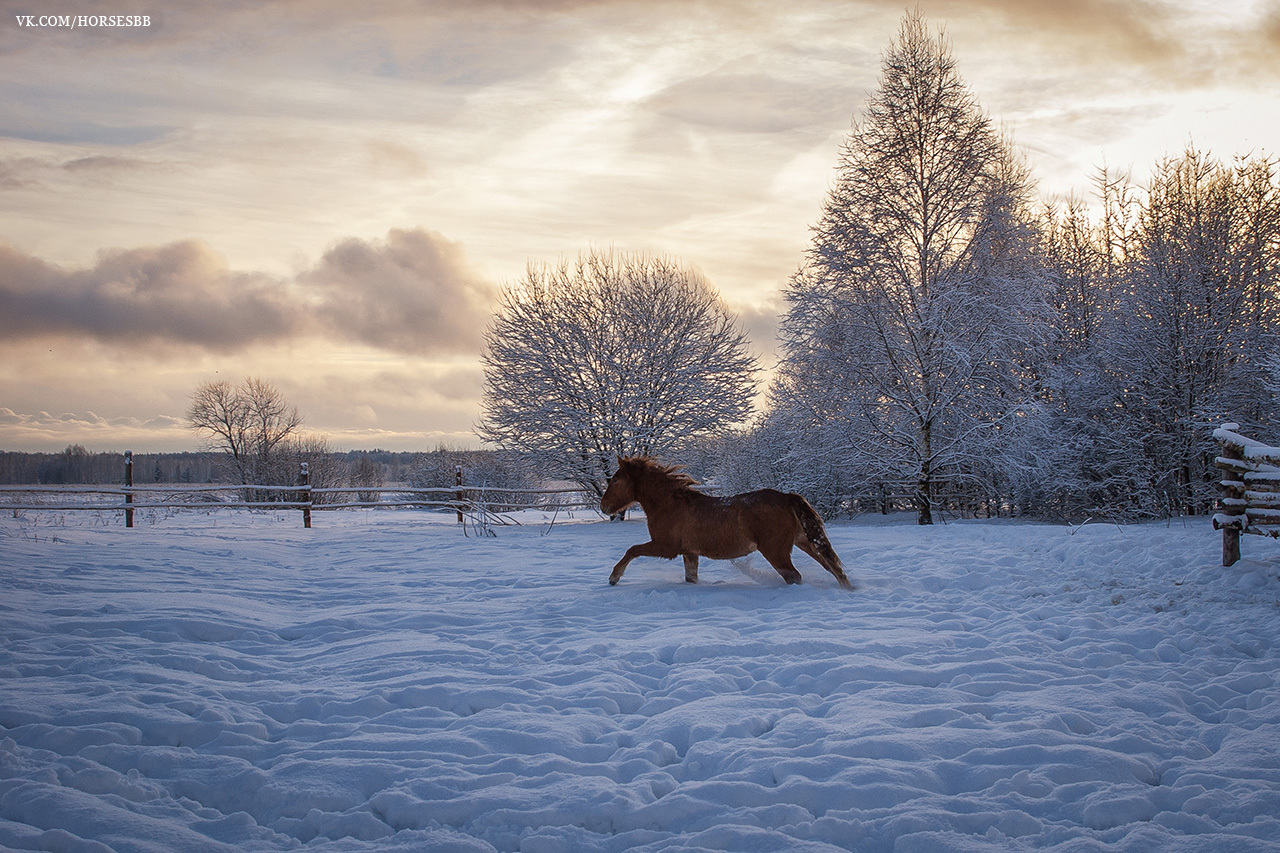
{"x":1250,"y":483}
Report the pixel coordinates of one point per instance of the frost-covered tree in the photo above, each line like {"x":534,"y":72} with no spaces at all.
{"x":1167,"y":319}
{"x":486,"y":469}
{"x":1079,"y":291}
{"x":912,"y":327}
{"x":613,"y":354}
{"x":1199,"y":314}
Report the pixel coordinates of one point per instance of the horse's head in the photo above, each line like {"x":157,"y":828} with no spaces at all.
{"x":621,"y":492}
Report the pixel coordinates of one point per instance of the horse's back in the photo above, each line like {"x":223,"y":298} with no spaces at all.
{"x":769,"y":513}
{"x":769,"y":500}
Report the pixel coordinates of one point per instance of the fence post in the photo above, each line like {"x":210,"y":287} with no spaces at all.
{"x":1233,"y":497}
{"x":304,"y":480}
{"x":128,"y":482}
{"x":458,"y":480}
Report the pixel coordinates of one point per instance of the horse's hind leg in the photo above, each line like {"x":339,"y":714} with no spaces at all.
{"x":780,"y":559}
{"x":834,"y":568}
{"x":691,"y":568}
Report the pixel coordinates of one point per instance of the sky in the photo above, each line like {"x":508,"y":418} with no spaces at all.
{"x":330,"y":196}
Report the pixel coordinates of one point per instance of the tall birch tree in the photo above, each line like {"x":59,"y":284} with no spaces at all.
{"x":914,"y":319}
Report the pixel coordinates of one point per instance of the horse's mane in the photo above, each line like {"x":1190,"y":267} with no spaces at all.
{"x":673,"y":474}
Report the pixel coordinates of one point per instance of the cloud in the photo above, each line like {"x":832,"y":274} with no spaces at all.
{"x":44,"y":431}
{"x":32,"y":172}
{"x":760,"y":322}
{"x":747,"y":102}
{"x":179,"y":293}
{"x":1262,"y":40}
{"x":13,"y":173}
{"x":1139,"y":30}
{"x":85,"y":133}
{"x":393,"y":160}
{"x":101,"y":163}
{"x":1167,"y":44}
{"x":412,"y":292}
{"x":87,"y":420}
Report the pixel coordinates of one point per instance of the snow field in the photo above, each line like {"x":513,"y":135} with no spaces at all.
{"x":380,"y":682}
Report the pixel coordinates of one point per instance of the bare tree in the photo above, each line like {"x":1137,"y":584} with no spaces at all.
{"x":325,"y":469}
{"x":613,"y":354}
{"x":915,"y":319}
{"x":364,"y":471}
{"x":249,"y":424}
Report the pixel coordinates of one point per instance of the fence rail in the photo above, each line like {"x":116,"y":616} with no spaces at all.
{"x":1250,"y":501}
{"x":483,"y":503}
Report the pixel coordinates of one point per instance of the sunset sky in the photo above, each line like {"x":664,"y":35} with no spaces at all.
{"x":329,"y":195}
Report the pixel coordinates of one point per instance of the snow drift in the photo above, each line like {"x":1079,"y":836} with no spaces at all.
{"x":380,"y":682}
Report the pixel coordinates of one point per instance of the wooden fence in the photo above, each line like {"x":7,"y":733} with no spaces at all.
{"x":482,"y":503}
{"x":1250,"y":501}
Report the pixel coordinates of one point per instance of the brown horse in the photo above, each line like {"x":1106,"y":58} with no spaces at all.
{"x":684,"y":521}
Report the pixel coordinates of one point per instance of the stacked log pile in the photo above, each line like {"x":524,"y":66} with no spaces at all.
{"x":1250,"y":501}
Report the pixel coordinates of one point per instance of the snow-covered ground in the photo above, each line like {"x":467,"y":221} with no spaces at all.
{"x":380,"y":682}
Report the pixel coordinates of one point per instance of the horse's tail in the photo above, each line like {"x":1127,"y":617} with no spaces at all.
{"x":815,"y":535}
{"x":814,"y":530}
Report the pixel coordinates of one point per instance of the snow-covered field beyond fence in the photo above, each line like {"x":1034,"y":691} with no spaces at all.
{"x":380,"y":682}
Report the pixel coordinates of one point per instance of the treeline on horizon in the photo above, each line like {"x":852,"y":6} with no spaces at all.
{"x":77,"y":465}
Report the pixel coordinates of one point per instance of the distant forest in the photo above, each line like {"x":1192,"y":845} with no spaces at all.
{"x":78,"y":465}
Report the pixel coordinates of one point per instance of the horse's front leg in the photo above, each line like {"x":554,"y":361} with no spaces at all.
{"x":691,"y":568}
{"x":644,"y":549}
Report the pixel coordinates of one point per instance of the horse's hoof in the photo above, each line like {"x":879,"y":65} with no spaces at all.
{"x":613,"y":581}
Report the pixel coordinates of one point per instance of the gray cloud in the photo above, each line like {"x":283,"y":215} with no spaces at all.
{"x":101,"y":163}
{"x":179,"y":293}
{"x":20,"y":172}
{"x":459,"y":384}
{"x":42,"y":173}
{"x":412,"y":292}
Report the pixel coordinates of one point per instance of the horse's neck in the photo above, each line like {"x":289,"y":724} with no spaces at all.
{"x":653,"y":497}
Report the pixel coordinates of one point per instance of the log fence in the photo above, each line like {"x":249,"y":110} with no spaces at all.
{"x":1250,"y":501}
{"x":482,"y":502}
